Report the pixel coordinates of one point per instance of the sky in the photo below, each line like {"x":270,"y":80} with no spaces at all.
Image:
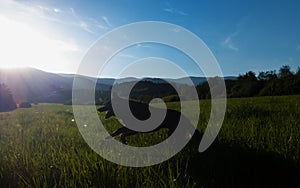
{"x":55,"y":35}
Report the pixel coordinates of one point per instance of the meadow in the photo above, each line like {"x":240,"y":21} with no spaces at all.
{"x":258,"y":146}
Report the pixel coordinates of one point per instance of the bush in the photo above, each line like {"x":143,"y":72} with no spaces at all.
{"x":25,"y":105}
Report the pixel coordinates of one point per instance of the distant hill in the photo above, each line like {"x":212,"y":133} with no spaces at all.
{"x":28,"y":84}
{"x":33,"y":85}
{"x":195,"y":80}
{"x":36,"y":86}
{"x":110,"y":81}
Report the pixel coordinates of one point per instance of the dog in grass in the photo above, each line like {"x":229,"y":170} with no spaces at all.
{"x":142,"y":112}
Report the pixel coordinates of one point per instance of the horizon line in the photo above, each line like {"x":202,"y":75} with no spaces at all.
{"x":102,"y":77}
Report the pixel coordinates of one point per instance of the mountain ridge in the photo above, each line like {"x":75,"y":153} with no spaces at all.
{"x":34,"y":85}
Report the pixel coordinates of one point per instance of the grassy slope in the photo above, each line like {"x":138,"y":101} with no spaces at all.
{"x":258,"y":146}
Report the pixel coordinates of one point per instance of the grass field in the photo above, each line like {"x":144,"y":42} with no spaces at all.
{"x":258,"y":146}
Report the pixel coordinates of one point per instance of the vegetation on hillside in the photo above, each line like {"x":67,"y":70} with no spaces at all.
{"x":7,"y":102}
{"x":267,"y":83}
{"x":40,"y":87}
{"x":25,"y":105}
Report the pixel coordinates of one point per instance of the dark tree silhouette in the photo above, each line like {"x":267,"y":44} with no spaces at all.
{"x":7,"y":102}
{"x":285,"y":71}
{"x":266,"y":84}
{"x":298,"y":71}
{"x":250,"y":76}
{"x":268,"y":75}
{"x":246,"y":85}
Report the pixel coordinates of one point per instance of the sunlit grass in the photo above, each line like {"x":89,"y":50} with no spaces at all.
{"x":42,"y":147}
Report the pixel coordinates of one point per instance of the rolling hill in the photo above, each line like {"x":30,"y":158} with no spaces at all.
{"x":36,"y":86}
{"x":33,"y":85}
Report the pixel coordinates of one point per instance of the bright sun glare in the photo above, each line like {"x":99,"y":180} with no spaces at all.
{"x":22,"y":46}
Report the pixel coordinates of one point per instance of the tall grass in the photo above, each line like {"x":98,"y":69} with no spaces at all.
{"x":42,"y":147}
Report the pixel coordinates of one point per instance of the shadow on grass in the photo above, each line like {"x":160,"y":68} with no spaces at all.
{"x":224,"y":165}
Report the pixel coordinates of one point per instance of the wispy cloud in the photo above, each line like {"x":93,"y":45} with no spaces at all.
{"x":144,"y":45}
{"x":77,"y":20}
{"x":228,"y":42}
{"x":49,"y":9}
{"x":57,"y":10}
{"x":182,"y":13}
{"x":90,"y":25}
{"x":298,"y":47}
{"x":105,"y":19}
{"x":173,"y":10}
{"x":63,"y":16}
{"x":168,"y":10}
{"x":97,"y":24}
{"x":85,"y":27}
{"x":124,"y":55}
{"x":72,"y":11}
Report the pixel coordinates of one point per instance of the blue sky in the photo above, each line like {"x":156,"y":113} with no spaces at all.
{"x":243,"y":35}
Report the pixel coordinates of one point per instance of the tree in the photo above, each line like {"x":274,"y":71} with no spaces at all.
{"x":246,"y":85}
{"x":249,"y":76}
{"x":203,"y":91}
{"x":7,"y":102}
{"x":268,"y":75}
{"x":298,"y":71}
{"x":285,"y":71}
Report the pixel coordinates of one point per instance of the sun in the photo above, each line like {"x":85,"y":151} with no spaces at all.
{"x":21,"y":45}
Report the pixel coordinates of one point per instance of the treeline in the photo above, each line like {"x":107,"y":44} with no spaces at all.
{"x":269,"y":83}
{"x":145,"y":91}
{"x":7,"y":102}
